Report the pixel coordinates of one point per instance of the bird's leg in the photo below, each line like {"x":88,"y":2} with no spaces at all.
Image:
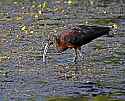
{"x":76,"y":55}
{"x":80,"y":52}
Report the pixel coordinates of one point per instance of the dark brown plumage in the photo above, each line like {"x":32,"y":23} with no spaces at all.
{"x":79,"y":35}
{"x":75,"y":37}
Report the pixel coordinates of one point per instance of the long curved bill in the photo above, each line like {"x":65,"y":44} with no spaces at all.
{"x":45,"y":52}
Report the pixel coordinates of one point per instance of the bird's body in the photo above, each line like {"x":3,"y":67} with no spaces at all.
{"x":79,"y":35}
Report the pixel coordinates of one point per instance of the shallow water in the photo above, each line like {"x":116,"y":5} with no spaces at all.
{"x":99,"y":76}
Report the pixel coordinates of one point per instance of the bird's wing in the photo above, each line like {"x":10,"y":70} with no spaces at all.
{"x":74,"y":38}
{"x":85,"y":34}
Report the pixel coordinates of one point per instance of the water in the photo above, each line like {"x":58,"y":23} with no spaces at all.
{"x":99,"y":76}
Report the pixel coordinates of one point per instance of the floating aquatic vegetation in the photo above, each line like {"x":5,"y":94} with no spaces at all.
{"x":36,"y":16}
{"x":101,"y":98}
{"x":103,"y":21}
{"x":113,"y":60}
{"x":4,"y":58}
{"x":23,"y":28}
{"x":18,"y":18}
{"x":3,"y":72}
{"x":99,"y":46}
{"x":72,"y":2}
{"x":44,"y":5}
{"x":59,"y":10}
{"x":115,"y":26}
{"x":42,"y":82}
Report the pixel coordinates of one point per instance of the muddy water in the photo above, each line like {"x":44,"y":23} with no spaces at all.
{"x":100,"y":74}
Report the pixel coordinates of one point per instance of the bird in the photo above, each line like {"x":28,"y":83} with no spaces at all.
{"x":77,"y":36}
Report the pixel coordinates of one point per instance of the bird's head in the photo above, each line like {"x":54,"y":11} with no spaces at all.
{"x":56,"y":42}
{"x":53,"y":40}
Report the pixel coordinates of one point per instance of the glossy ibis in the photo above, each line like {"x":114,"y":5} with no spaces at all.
{"x":76,"y":37}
